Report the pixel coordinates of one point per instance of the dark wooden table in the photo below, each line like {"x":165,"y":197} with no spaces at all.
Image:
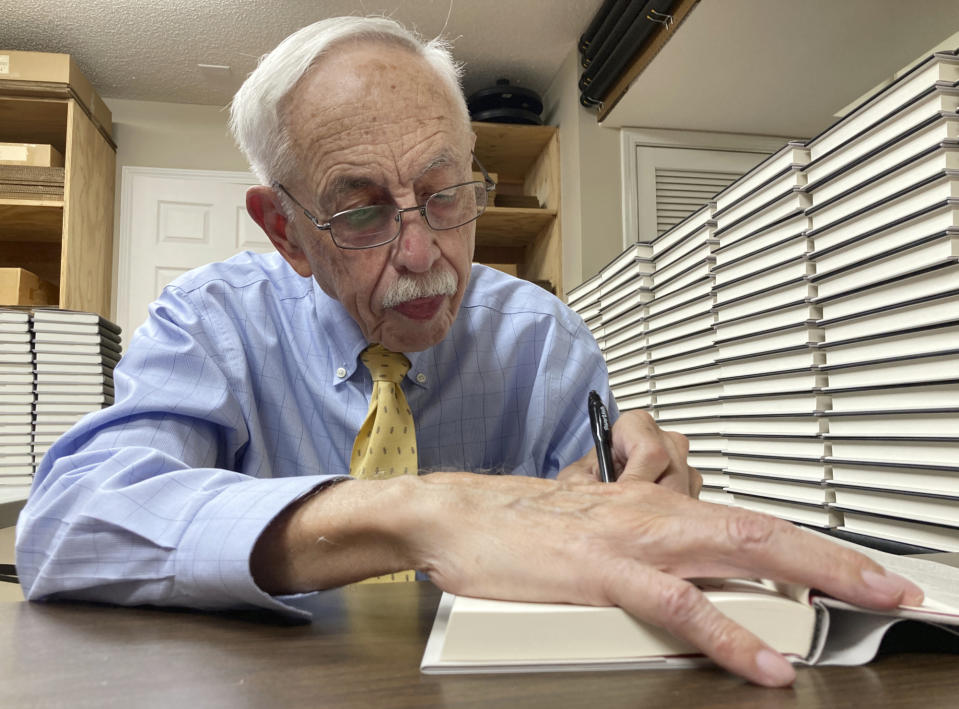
{"x":363,"y":650}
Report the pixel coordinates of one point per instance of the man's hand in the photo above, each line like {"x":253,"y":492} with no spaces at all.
{"x":642,"y":451}
{"x":631,"y":544}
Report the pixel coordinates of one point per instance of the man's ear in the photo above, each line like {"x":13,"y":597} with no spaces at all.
{"x":263,"y":205}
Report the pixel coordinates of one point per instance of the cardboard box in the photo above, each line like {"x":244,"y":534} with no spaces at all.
{"x":34,"y":154}
{"x":21,"y":287}
{"x":46,"y":67}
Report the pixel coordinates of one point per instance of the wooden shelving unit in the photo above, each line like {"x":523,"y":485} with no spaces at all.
{"x":526,"y":160}
{"x":68,"y":241}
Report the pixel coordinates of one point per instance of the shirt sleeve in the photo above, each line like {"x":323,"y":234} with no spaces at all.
{"x":143,"y":502}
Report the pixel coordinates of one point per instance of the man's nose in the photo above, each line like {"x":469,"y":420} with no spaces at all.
{"x":416,"y":248}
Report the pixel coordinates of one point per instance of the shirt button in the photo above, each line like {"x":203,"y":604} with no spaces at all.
{"x":421,"y":378}
{"x":341,"y":372}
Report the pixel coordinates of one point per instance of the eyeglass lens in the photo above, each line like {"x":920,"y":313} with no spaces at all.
{"x":376,"y":224}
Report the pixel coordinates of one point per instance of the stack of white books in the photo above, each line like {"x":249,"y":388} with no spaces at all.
{"x":682,"y":352}
{"x":584,"y":299}
{"x":885,"y":232}
{"x":625,"y":292}
{"x":75,"y":355}
{"x":16,"y":404}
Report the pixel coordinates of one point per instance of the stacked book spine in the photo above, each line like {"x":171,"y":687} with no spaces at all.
{"x":681,"y":344}
{"x":884,"y":227}
{"x":766,"y":332}
{"x":803,"y":328}
{"x":16,"y":404}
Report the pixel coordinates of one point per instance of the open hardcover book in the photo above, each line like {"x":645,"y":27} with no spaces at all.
{"x":472,"y":635}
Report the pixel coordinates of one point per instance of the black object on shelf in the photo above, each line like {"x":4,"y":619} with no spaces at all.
{"x":505,"y":103}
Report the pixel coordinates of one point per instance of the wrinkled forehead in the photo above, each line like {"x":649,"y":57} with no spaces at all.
{"x":371,"y":93}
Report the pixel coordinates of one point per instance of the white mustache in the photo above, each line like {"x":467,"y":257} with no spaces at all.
{"x":406,"y":287}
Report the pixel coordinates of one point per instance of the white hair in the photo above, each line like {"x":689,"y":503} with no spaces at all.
{"x":255,"y":116}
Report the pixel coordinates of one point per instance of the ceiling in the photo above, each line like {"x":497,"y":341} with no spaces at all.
{"x":149,"y":50}
{"x":767,"y":67}
{"x":780,"y":67}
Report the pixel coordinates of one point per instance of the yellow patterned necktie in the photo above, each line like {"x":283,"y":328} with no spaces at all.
{"x":386,"y":443}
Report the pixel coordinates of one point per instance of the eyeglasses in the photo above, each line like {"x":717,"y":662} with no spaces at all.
{"x":378,"y":224}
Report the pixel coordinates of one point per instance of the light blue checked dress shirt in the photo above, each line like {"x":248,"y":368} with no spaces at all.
{"x":242,"y":392}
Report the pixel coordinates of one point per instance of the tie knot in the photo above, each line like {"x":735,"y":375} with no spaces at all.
{"x":385,"y":365}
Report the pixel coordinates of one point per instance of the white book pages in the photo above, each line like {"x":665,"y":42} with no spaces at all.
{"x":627,"y":362}
{"x":898,"y":398}
{"x":898,"y":423}
{"x":687,"y":426}
{"x":695,"y":291}
{"x":914,"y":452}
{"x":880,"y":215}
{"x":626,"y":259}
{"x":635,"y":300}
{"x":672,"y":266}
{"x":701,"y":358}
{"x":779,"y":319}
{"x":15,"y":351}
{"x":881,"y":189}
{"x":585,"y":291}
{"x":630,"y":347}
{"x":802,"y":381}
{"x":703,"y":338}
{"x":628,"y":320}
{"x":818,"y":516}
{"x":802,"y":357}
{"x":14,"y":338}
{"x":791,"y":155}
{"x":698,"y":392}
{"x":61,"y":408}
{"x":14,"y":316}
{"x":56,"y":423}
{"x":698,"y":223}
{"x":793,"y":403}
{"x":796,"y":447}
{"x":699,"y":307}
{"x":634,"y":334}
{"x":771,"y":256}
{"x":710,"y":407}
{"x":927,"y":313}
{"x":788,"y":205}
{"x":73,"y":338}
{"x":16,"y":379}
{"x":694,"y":325}
{"x":588,"y":311}
{"x":697,"y":273}
{"x":898,"y":371}
{"x":917,"y":229}
{"x":904,"y":478}
{"x":919,"y":508}
{"x":792,"y":293}
{"x":858,"y":168}
{"x":923,"y":535}
{"x":632,"y":388}
{"x":798,"y":269}
{"x":636,"y":401}
{"x":785,"y":230}
{"x":784,"y":183}
{"x":899,"y":344}
{"x":938,"y":251}
{"x":707,"y":459}
{"x":889,"y":103}
{"x":685,"y":378}
{"x":914,"y":287}
{"x":786,"y":490}
{"x":633,"y":277}
{"x":709,"y":442}
{"x":769,"y":342}
{"x":716,"y":497}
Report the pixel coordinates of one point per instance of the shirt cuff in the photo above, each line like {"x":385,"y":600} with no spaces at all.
{"x":213,"y":563}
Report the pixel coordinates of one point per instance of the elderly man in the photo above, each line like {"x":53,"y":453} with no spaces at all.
{"x":220,"y":476}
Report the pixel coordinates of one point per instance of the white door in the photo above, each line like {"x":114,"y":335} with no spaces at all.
{"x":172,"y":221}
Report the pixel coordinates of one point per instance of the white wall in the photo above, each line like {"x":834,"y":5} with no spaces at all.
{"x":592,"y":179}
{"x":172,"y":135}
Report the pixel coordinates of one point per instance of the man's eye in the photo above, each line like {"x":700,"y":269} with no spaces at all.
{"x":362,"y":218}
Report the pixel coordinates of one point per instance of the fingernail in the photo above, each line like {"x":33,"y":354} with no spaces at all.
{"x":775,"y":668}
{"x":890,"y":584}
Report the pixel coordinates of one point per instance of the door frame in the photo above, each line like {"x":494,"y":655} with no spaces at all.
{"x":128,"y":176}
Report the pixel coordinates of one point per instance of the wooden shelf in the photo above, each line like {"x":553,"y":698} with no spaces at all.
{"x":513,"y":149}
{"x":33,"y":120}
{"x":510,"y":226}
{"x":30,"y":220}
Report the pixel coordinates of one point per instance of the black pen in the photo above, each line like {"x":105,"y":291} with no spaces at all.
{"x":602,"y":436}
